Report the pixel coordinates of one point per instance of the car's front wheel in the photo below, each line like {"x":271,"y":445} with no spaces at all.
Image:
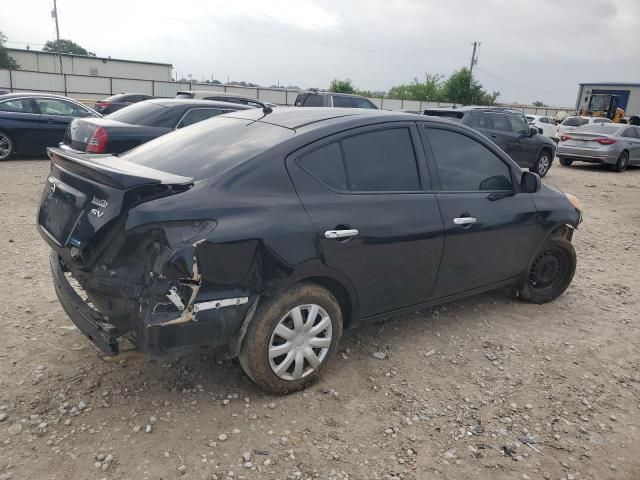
{"x":291,"y":338}
{"x":551,"y":272}
{"x":567,"y":162}
{"x":7,"y":147}
{"x":543,"y":164}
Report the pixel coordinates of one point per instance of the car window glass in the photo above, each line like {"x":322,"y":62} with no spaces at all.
{"x":132,"y":99}
{"x":631,"y":132}
{"x":313,"y":101}
{"x":197,"y":115}
{"x":574,"y":121}
{"x":341,"y":102}
{"x":383,"y":160}
{"x":482,"y":120}
{"x":518,"y":125}
{"x":53,"y":106}
{"x":184,"y":95}
{"x":499,"y":121}
{"x":325,"y":164}
{"x":464,"y":164}
{"x":637,"y":131}
{"x":358,"y":102}
{"x":147,"y":113}
{"x":23,"y":106}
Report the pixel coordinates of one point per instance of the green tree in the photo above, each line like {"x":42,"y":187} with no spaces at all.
{"x":429,"y":90}
{"x":461,"y":88}
{"x":66,"y":46}
{"x":538,"y":103}
{"x":6,"y":61}
{"x":342,"y":86}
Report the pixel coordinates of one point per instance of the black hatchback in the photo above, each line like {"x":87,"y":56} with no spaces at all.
{"x":509,"y":130}
{"x":265,"y":234}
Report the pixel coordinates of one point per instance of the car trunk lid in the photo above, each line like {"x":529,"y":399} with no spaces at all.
{"x":86,"y":194}
{"x":80,"y":132}
{"x":587,"y":140}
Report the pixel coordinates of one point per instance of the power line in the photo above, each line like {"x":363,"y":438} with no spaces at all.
{"x":520,"y":85}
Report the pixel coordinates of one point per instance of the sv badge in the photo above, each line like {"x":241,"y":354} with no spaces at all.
{"x":96,"y":212}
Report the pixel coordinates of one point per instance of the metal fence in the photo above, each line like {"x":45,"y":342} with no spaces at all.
{"x":88,"y":89}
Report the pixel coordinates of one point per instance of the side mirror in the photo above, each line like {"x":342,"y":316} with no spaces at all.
{"x":533,"y":131}
{"x":530,"y":182}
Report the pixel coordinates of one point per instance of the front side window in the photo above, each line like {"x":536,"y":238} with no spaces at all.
{"x":518,"y":125}
{"x":53,"y":106}
{"x":383,"y":160}
{"x":197,"y":115}
{"x":465,"y":164}
{"x":499,"y":121}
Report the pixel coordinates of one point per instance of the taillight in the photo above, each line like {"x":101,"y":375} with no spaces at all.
{"x":605,"y":141}
{"x":103,"y":104}
{"x":564,"y":138}
{"x":98,"y":141}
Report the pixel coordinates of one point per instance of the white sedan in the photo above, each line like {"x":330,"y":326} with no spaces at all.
{"x":569,"y":124}
{"x":546,"y":125}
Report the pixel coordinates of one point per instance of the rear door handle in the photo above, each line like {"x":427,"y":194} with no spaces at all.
{"x":464,"y":220}
{"x":352,"y":232}
{"x":493,"y":135}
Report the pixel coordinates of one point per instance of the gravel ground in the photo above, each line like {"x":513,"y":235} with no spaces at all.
{"x":488,"y":387}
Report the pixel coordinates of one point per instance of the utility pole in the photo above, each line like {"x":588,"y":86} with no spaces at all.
{"x":54,"y":14}
{"x":474,"y":60}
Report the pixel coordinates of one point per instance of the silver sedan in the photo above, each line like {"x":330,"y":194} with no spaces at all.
{"x":613,"y":144}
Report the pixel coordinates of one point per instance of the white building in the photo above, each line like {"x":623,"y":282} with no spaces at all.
{"x":629,"y":95}
{"x":47,"y":62}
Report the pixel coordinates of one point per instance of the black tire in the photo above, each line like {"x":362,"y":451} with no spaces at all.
{"x":550,"y":273}
{"x":543,"y":163}
{"x":622,"y":162}
{"x":271,"y":312}
{"x":7,"y":146}
{"x":566,"y":162}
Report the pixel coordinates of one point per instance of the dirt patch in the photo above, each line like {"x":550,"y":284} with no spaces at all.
{"x":488,"y":387}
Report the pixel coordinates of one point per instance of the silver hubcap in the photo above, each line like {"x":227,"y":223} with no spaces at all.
{"x":623,"y":161}
{"x":543,"y":165}
{"x":5,"y":146}
{"x":300,"y":342}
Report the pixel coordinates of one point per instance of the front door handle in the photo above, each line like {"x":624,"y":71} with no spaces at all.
{"x":464,"y":220}
{"x":351,"y":232}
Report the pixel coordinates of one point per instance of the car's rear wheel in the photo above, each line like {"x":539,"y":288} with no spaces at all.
{"x":7,"y":147}
{"x":565,"y":161}
{"x":621,"y":163}
{"x":291,"y":338}
{"x":543,"y":164}
{"x":551,"y":272}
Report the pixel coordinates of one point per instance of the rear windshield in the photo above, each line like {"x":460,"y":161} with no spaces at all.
{"x":575,"y":121}
{"x":184,"y":95}
{"x":148,"y":114}
{"x":606,"y":129}
{"x":444,"y":113}
{"x":209,"y":147}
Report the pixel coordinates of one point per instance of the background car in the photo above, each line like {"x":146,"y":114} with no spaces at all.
{"x":613,"y":144}
{"x":134,"y":125}
{"x":508,"y":129}
{"x":31,"y":122}
{"x":569,"y":124}
{"x":546,"y":124}
{"x":223,"y":97}
{"x":116,"y":102}
{"x":266,"y":237}
{"x":331,"y":99}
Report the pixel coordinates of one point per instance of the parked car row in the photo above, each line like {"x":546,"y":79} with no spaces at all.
{"x":266,"y":233}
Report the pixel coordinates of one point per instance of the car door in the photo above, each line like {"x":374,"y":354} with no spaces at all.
{"x":631,"y":137}
{"x":57,"y":115}
{"x":524,"y":147}
{"x":367,"y":193}
{"x":490,"y":228}
{"x":500,"y":133}
{"x":20,"y":119}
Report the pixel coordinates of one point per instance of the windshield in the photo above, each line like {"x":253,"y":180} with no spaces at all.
{"x":599,"y":103}
{"x":575,"y":121}
{"x":208,"y":147}
{"x":148,"y":114}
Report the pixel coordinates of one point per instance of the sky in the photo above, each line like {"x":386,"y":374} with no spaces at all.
{"x":530,"y":50}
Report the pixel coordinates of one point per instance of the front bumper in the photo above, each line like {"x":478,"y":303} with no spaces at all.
{"x":91,"y":323}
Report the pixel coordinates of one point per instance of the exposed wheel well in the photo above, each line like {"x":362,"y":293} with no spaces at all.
{"x":549,"y":150}
{"x":341,"y":294}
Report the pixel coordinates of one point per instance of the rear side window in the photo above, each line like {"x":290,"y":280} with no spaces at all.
{"x":499,"y":121}
{"x":313,"y":101}
{"x":464,"y":164}
{"x":383,"y":160}
{"x":481,"y":120}
{"x":22,"y":106}
{"x":630,"y":133}
{"x":341,"y":102}
{"x":325,"y":164}
{"x":197,"y":115}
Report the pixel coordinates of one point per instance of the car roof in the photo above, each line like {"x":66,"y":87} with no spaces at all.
{"x":297,"y":117}
{"x":472,"y":108}
{"x":311,"y":92}
{"x":214,"y":92}
{"x":7,"y":96}
{"x":168,"y":102}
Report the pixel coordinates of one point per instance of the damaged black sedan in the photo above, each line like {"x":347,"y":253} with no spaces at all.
{"x":266,"y":233}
